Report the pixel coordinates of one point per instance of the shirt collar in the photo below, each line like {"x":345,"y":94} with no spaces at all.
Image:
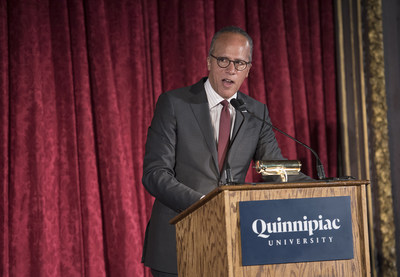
{"x":213,"y":97}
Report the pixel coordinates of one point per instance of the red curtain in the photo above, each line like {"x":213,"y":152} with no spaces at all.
{"x":79,"y":81}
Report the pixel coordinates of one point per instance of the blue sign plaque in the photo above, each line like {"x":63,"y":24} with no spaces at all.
{"x":296,"y":230}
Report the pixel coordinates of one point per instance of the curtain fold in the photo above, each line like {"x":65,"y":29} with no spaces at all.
{"x":79,"y":81}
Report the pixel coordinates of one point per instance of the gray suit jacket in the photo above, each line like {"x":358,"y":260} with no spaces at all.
{"x":181,"y":161}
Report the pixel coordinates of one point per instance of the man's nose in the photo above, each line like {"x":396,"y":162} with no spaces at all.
{"x":231,"y":68}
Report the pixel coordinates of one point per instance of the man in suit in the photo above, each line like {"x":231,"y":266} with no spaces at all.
{"x":185,"y":158}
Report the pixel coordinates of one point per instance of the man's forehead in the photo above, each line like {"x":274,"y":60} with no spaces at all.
{"x":232,"y":42}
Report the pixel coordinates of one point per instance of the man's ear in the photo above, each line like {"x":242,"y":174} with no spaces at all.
{"x":248,"y":70}
{"x":208,"y":63}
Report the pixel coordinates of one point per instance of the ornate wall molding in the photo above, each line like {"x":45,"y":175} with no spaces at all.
{"x":363,"y":119}
{"x":379,"y":139}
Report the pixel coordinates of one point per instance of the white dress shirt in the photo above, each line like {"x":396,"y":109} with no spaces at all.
{"x":214,"y":100}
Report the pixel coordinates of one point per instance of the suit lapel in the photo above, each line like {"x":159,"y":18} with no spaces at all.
{"x":238,"y":131}
{"x":239,"y":122}
{"x":200,"y":108}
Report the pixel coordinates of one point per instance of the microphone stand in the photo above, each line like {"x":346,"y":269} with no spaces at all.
{"x":239,"y":105}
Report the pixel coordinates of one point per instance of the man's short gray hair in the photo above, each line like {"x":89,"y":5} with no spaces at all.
{"x":235,"y":30}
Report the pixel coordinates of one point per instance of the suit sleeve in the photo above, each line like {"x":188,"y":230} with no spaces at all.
{"x":268,"y":148}
{"x":159,"y":161}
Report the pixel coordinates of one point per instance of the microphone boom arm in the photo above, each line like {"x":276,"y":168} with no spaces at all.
{"x":239,"y":105}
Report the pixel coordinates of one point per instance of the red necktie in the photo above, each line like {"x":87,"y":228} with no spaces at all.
{"x":224,"y":133}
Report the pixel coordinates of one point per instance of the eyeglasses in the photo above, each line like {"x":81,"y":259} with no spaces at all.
{"x":224,"y":62}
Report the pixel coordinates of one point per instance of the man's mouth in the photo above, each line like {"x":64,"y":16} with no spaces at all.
{"x":227,"y":81}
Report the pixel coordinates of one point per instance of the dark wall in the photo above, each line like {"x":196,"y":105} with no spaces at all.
{"x":391,"y":39}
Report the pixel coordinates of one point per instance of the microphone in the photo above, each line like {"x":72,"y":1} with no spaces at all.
{"x":240,"y":106}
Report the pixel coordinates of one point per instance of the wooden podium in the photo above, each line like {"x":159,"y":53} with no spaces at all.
{"x":209,"y":241}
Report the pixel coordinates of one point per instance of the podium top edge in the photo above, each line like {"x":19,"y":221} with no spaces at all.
{"x":265,"y":186}
{"x":258,"y":186}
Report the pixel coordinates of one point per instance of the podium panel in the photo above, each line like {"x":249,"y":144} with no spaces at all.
{"x":209,"y":237}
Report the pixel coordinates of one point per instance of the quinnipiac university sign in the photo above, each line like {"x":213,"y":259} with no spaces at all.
{"x":296,"y":230}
